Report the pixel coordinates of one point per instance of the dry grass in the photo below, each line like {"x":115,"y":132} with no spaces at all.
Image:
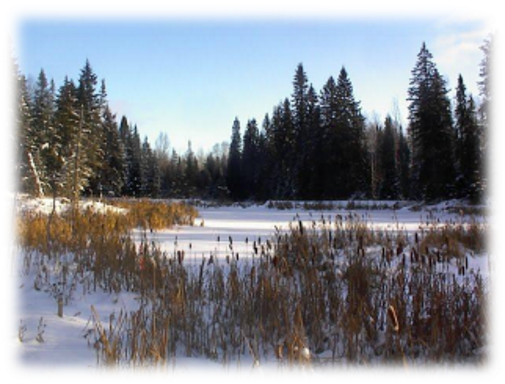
{"x":332,"y":292}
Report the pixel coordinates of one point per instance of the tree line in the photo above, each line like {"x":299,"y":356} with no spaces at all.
{"x":71,"y":144}
{"x":314,"y":145}
{"x":319,"y":145}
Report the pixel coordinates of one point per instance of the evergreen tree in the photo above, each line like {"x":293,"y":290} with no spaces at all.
{"x":300,"y":103}
{"x":250,"y":159}
{"x":330,"y":174}
{"x":265,"y":166}
{"x":468,"y":143}
{"x":354,"y":169}
{"x":43,"y":131}
{"x":132,"y":158}
{"x":161,"y":153}
{"x":136,"y":175}
{"x":310,"y":179}
{"x":430,"y":130}
{"x":234,"y":177}
{"x":388,"y":186}
{"x":178,"y":187}
{"x":342,"y":134}
{"x":285,"y":148}
{"x":149,"y":172}
{"x":331,"y":137}
{"x":92,"y":135}
{"x":191,"y":172}
{"x":29,"y":179}
{"x":114,"y":166}
{"x":67,"y":122}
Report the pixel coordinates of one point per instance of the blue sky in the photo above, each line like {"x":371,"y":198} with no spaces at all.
{"x":191,"y":78}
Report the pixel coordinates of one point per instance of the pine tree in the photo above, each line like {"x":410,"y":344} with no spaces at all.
{"x":430,"y":130}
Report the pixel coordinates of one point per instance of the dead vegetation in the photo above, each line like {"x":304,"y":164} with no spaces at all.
{"x":333,"y":291}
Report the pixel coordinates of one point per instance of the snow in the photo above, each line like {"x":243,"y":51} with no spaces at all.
{"x":64,"y":342}
{"x":44,"y":205}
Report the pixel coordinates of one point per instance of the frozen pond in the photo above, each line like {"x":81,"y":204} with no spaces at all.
{"x":214,"y":227}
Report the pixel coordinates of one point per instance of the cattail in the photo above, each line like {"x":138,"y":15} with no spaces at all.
{"x":393,"y":318}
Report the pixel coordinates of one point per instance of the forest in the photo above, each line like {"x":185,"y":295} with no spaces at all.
{"x":315,"y":145}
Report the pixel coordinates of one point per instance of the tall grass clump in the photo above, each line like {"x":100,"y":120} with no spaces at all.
{"x":154,"y":215}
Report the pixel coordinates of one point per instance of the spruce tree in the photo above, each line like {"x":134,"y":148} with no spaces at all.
{"x":149,"y":172}
{"x":92,"y":132}
{"x":29,"y":178}
{"x":311,"y":175}
{"x":250,"y":159}
{"x":468,"y":143}
{"x":114,"y":162}
{"x":43,"y":131}
{"x":330,"y":175}
{"x":234,"y":178}
{"x":431,"y":132}
{"x":351,"y":123}
{"x":388,"y":186}
{"x":300,"y":103}
{"x":67,"y":120}
{"x":191,"y":172}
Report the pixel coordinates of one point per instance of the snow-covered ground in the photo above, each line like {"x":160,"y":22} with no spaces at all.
{"x":60,"y":205}
{"x":63,"y":342}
